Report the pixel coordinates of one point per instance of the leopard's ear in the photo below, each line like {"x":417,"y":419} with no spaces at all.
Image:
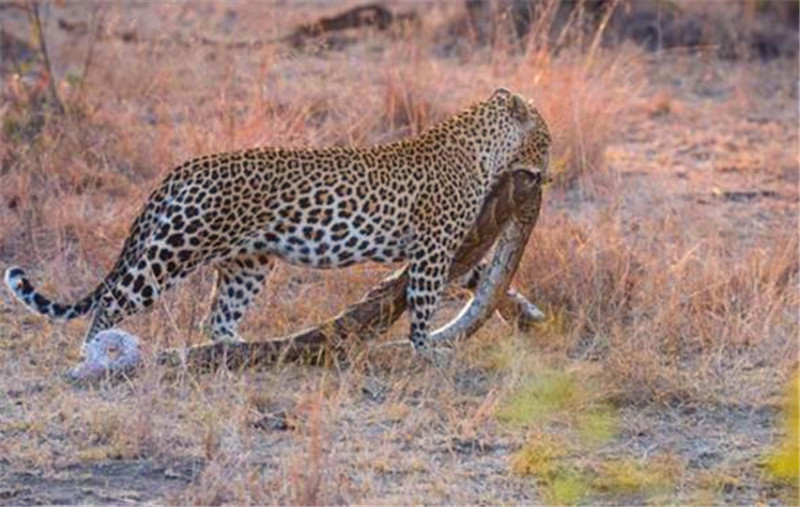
{"x":500,"y":92}
{"x":519,"y":109}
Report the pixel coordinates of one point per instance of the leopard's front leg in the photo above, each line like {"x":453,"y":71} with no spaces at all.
{"x":427,"y":278}
{"x":430,"y":257}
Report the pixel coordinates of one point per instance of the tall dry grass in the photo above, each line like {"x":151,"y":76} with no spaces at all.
{"x":677,"y":328}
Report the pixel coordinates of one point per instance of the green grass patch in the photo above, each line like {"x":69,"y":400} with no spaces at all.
{"x":544,"y":457}
{"x":539,"y":398}
{"x":561,"y":396}
{"x":598,"y":425}
{"x":567,"y":419}
{"x":567,"y":486}
{"x":538,"y":456}
{"x":624,"y":477}
{"x":783,"y":463}
{"x":564,"y":479}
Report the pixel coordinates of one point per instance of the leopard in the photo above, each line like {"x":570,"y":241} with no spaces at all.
{"x":409,"y":201}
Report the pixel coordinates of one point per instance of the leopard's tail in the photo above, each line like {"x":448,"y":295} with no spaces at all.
{"x":141,"y":228}
{"x":24,"y":291}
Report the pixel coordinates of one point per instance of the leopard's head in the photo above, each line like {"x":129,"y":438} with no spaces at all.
{"x":521,"y":137}
{"x":534,"y":152}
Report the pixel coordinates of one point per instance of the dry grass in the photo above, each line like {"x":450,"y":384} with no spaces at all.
{"x":670,"y":300}
{"x":666,"y":325}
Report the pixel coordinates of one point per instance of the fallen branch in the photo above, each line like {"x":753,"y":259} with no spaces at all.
{"x":370,"y":15}
{"x":362,"y":15}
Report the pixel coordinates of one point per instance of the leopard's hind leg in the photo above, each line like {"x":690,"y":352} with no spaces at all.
{"x":141,"y":283}
{"x":120,"y":301}
{"x":239,"y":280}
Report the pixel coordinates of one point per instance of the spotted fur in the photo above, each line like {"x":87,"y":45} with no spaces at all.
{"x":410,"y":201}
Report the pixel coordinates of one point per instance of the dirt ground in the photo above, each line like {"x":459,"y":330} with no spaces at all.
{"x":672,"y":395}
